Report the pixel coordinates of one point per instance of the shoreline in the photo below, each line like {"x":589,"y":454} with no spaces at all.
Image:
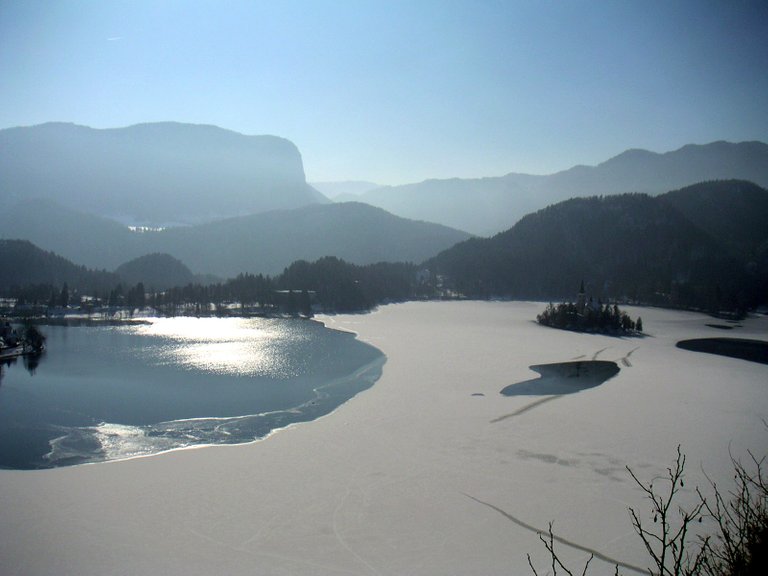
{"x":390,"y":481}
{"x":337,"y":368}
{"x":267,"y":436}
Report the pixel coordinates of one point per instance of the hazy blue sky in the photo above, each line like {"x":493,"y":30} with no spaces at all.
{"x":395,"y":91}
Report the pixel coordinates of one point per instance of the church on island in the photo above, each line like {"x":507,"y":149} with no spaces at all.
{"x":586,"y":315}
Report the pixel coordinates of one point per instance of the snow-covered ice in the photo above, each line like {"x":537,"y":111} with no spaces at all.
{"x":431,"y":471}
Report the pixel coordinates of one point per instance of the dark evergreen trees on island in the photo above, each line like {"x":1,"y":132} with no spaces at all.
{"x":588,"y":316}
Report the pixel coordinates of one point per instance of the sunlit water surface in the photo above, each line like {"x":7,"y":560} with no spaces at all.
{"x":114,"y":392}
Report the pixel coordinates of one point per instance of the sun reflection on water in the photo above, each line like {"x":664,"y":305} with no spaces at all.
{"x":234,"y":346}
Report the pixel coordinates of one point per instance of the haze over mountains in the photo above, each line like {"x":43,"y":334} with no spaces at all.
{"x":171,"y":173}
{"x":346,"y":191}
{"x":486,"y":206}
{"x":63,"y":186}
{"x":259,"y":243}
{"x":704,"y":246}
{"x":153,"y":174}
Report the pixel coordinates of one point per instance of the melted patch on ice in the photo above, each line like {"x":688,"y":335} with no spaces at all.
{"x":742,"y":348}
{"x":564,"y":378}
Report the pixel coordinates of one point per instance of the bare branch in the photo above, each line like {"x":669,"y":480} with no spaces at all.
{"x":668,"y":544}
{"x":739,"y":546}
{"x":549,"y":544}
{"x":530,"y":563}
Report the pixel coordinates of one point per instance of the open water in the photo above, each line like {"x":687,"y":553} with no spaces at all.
{"x":113,"y":392}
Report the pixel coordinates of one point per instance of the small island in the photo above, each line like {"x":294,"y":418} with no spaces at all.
{"x":586,"y":315}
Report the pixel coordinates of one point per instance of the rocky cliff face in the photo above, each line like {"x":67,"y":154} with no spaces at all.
{"x":153,"y":173}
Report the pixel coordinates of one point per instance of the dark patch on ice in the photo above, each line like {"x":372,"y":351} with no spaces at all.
{"x":598,"y":463}
{"x":564,"y":378}
{"x":741,"y":348}
{"x":478,"y":394}
{"x":720,"y":326}
{"x":546,"y":458}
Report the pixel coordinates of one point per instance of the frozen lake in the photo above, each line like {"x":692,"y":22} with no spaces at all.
{"x":430,"y":471}
{"x":111,"y":392}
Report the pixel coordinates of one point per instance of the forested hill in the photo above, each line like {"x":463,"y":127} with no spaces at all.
{"x":156,"y":271}
{"x":267,"y":243}
{"x":671,"y":249}
{"x":24,"y":264}
{"x":734,"y":212}
{"x":259,"y":243}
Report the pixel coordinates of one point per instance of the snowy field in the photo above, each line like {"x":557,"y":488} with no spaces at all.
{"x":431,"y":471}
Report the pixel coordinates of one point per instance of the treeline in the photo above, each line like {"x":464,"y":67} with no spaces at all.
{"x":327,"y":285}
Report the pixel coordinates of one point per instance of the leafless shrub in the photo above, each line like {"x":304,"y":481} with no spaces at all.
{"x":739,"y":546}
{"x":741,"y":543}
{"x":667,"y":542}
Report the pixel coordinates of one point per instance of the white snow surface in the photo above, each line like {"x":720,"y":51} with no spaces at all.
{"x":419,"y":474}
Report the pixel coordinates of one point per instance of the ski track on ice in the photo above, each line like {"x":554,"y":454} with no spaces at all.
{"x":595,"y":553}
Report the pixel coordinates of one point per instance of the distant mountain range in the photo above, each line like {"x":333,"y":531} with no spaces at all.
{"x":705,"y":245}
{"x":487,"y":206}
{"x":153,"y":173}
{"x":168,"y":173}
{"x":71,"y":190}
{"x":260,"y":243}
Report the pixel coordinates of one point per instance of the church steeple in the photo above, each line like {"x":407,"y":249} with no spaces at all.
{"x":581,"y":299}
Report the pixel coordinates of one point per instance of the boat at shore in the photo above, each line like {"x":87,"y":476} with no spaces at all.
{"x":11,"y":352}
{"x":12,"y":346}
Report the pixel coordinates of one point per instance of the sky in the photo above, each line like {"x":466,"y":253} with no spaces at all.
{"x":396,"y":92}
